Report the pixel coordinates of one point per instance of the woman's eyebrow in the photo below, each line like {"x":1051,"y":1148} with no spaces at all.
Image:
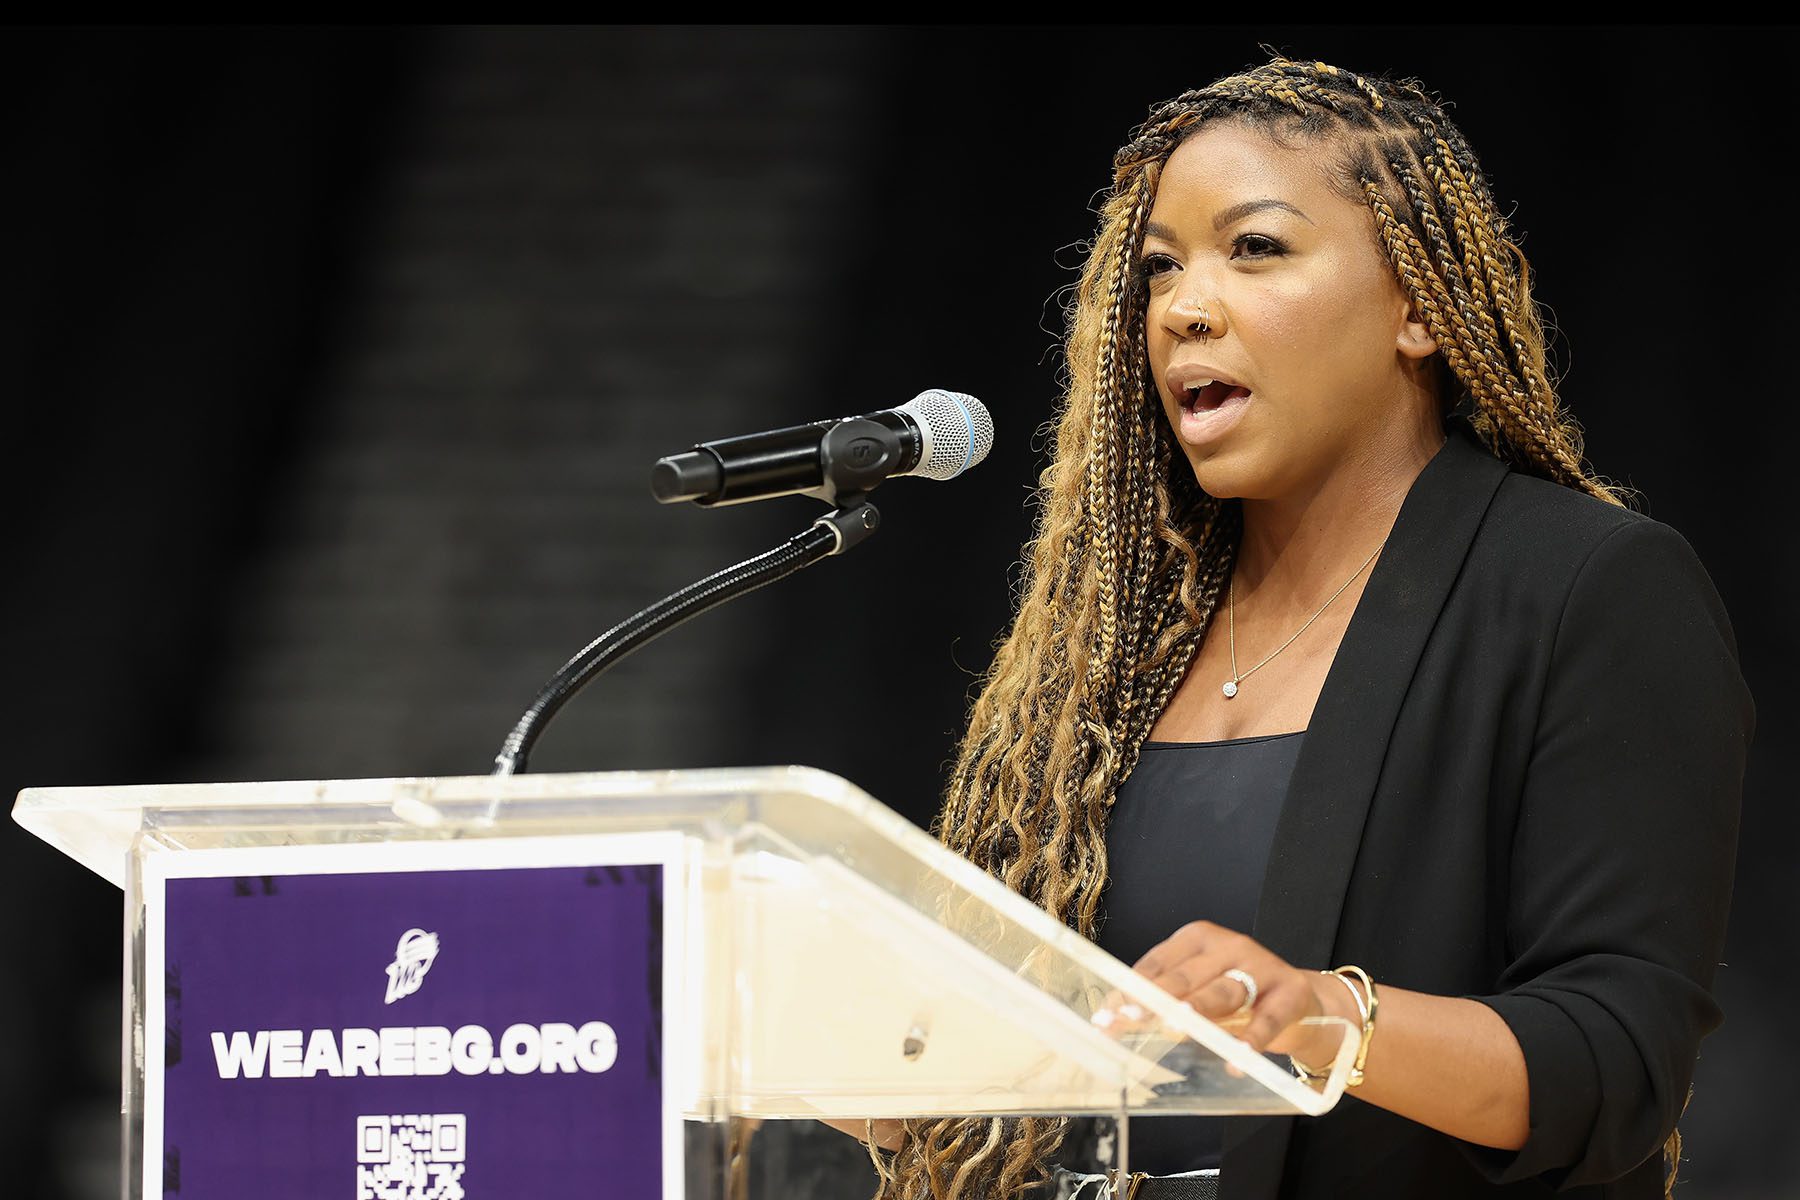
{"x":1236,"y":212}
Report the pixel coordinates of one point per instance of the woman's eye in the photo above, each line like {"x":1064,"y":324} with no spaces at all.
{"x":1258,"y":245}
{"x":1254,"y":245}
{"x":1152,"y":265}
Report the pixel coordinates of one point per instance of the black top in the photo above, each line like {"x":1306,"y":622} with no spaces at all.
{"x":1189,"y":839}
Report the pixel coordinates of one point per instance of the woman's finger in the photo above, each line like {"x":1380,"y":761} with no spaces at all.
{"x":1190,"y":941}
{"x":1224,"y":995}
{"x":1191,"y":978}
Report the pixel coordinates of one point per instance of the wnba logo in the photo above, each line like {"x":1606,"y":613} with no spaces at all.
{"x":412,"y":958}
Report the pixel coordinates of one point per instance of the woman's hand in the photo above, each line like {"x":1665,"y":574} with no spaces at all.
{"x":1191,"y":963}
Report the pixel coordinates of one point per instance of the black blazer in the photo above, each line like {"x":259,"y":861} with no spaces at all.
{"x":1520,"y":785}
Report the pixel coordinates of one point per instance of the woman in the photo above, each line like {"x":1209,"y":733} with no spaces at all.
{"x":1470,"y":724}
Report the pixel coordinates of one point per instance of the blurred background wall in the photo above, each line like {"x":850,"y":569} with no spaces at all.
{"x":336,"y":362}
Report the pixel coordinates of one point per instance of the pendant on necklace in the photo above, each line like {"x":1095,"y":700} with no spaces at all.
{"x":1230,"y":688}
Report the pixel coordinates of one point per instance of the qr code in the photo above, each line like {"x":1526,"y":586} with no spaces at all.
{"x":418,"y":1156}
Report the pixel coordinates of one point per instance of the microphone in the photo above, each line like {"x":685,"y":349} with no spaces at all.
{"x":936,"y":434}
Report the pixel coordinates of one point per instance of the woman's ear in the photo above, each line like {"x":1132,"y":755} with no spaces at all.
{"x":1414,"y":339}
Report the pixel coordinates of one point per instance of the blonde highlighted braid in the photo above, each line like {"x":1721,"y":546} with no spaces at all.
{"x":1129,"y":557}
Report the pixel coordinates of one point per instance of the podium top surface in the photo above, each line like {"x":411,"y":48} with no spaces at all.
{"x":99,"y":826}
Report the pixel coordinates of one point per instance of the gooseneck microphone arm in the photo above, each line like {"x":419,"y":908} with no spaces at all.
{"x":832,"y":534}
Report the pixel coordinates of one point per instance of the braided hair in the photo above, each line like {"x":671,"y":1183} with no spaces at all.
{"x":1129,"y":556}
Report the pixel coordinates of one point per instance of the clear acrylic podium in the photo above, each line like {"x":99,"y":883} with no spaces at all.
{"x":825,"y":958}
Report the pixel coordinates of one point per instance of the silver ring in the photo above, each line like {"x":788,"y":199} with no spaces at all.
{"x":1249,"y":982}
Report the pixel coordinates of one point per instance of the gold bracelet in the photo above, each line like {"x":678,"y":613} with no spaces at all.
{"x":1364,"y":1009}
{"x":1309,"y":1073}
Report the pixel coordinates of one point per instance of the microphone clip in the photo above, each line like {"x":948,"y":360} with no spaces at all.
{"x":855,"y":455}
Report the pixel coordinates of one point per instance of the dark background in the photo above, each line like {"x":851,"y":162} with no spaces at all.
{"x":337,"y":360}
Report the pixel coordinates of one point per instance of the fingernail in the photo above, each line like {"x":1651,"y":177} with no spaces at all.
{"x":1103,"y":1017}
{"x":1133,"y":1012}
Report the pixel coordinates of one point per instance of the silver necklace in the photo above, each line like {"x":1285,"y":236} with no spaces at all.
{"x":1231,"y":685}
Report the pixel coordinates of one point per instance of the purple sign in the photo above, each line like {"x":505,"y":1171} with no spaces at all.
{"x":413,"y":1034}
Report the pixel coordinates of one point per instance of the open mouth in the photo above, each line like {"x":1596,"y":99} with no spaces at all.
{"x":1211,"y":396}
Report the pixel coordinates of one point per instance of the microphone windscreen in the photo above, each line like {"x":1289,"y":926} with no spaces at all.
{"x":958,"y":432}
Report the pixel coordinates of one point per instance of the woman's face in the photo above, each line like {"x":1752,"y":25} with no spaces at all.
{"x":1303,"y":311}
